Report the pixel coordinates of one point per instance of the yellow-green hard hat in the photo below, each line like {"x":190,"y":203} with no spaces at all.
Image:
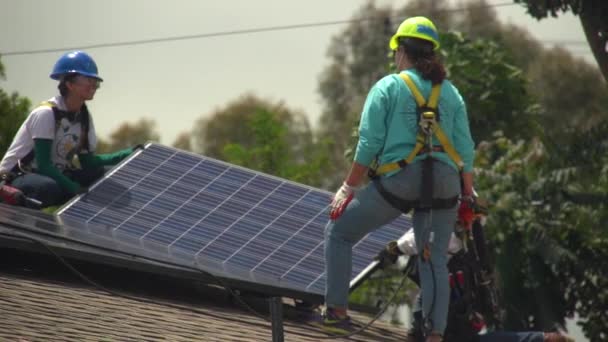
{"x":416,"y":27}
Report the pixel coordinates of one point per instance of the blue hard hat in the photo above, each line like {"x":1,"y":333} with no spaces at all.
{"x":77,"y":62}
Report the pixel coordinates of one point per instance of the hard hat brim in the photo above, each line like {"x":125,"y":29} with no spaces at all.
{"x":394,"y":42}
{"x":57,"y":76}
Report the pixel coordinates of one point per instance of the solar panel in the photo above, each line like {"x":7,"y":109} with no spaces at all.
{"x":225,"y":219}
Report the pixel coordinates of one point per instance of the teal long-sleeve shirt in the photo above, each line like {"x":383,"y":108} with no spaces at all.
{"x":389,"y":122}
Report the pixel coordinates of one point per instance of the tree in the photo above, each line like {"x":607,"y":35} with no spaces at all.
{"x":550,"y":248}
{"x":493,"y":88}
{"x":183,"y":141}
{"x":264,"y":136}
{"x":128,"y":135}
{"x":578,"y":97}
{"x":550,"y":73}
{"x":228,"y":125}
{"x":593,"y":14}
{"x":13,"y":111}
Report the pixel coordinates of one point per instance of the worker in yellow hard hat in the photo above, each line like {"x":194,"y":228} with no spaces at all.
{"x":411,"y":175}
{"x":416,"y":27}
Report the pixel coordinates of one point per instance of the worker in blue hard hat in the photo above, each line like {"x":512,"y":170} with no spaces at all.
{"x":414,"y":136}
{"x":41,"y":160}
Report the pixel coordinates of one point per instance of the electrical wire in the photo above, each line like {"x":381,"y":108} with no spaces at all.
{"x":180,"y":307}
{"x":231,"y":32}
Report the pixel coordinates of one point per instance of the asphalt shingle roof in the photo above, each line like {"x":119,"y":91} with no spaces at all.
{"x":36,"y":305}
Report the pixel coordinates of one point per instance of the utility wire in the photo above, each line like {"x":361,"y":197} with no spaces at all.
{"x":230,"y":33}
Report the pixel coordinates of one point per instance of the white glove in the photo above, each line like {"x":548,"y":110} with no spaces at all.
{"x":407,"y":243}
{"x":341,"y":199}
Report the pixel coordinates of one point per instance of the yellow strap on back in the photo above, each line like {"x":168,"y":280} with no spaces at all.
{"x":417,"y":95}
{"x":434,"y":98}
{"x":447,"y":146}
{"x":420,"y":139}
{"x":46,"y":104}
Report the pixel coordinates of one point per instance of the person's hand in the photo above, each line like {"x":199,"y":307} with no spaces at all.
{"x":466,"y":215}
{"x":340,"y":201}
{"x":389,"y":254}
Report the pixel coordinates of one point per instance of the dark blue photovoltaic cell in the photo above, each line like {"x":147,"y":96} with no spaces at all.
{"x":191,"y":205}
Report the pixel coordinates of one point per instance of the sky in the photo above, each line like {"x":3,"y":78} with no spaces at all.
{"x":177,"y":82}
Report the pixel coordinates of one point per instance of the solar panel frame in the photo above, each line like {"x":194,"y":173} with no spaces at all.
{"x":135,"y":213}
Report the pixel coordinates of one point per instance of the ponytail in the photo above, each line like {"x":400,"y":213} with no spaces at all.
{"x":420,"y":52}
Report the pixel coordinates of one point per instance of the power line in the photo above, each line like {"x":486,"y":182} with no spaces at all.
{"x":228,"y":33}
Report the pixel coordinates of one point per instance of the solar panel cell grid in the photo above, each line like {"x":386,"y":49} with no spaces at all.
{"x":254,"y":225}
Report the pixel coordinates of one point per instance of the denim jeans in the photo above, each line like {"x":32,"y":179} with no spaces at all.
{"x":369,"y":211}
{"x":46,"y":190}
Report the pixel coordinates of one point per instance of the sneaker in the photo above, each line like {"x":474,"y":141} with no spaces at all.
{"x":557,"y":337}
{"x":331,"y":323}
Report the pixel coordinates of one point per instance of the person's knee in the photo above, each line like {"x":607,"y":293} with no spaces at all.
{"x":44,"y":189}
{"x":337,"y":230}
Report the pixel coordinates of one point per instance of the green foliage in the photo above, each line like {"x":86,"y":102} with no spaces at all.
{"x":494,"y":89}
{"x":13,"y":111}
{"x":271,"y":152}
{"x":542,"y":9}
{"x":383,"y":286}
{"x":593,"y":14}
{"x":358,"y":58}
{"x":578,"y":97}
{"x":551,"y":251}
{"x":227,"y":126}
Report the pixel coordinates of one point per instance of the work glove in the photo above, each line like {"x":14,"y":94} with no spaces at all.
{"x":466,"y":215}
{"x":341,"y":199}
{"x":389,"y":254}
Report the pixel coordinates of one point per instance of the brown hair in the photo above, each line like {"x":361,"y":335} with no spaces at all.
{"x":420,"y":52}
{"x":63,"y":88}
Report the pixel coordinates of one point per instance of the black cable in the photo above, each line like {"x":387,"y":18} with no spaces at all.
{"x":230,"y":33}
{"x":428,"y":321}
{"x":149,"y":301}
{"x":116,"y":293}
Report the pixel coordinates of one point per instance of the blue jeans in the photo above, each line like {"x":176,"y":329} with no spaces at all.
{"x":46,"y":190}
{"x":369,"y":211}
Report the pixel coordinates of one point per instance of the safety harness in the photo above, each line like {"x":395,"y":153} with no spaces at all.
{"x":428,"y":114}
{"x":24,"y":163}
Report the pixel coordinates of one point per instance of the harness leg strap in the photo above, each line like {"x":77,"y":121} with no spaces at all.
{"x":426,"y":192}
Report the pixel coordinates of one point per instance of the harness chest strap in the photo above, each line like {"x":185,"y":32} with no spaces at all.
{"x":59,"y":114}
{"x":420,"y":137}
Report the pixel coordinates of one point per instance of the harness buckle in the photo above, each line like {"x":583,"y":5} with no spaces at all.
{"x":427,"y":120}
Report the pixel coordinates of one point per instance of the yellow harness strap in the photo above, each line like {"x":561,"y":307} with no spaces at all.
{"x":420,"y":137}
{"x":47,"y":104}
